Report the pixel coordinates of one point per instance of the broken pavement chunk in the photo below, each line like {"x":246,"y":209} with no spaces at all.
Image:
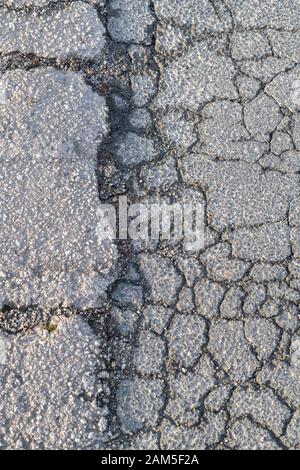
{"x":268,"y":243}
{"x":75,"y":31}
{"x":51,"y":253}
{"x":195,"y":78}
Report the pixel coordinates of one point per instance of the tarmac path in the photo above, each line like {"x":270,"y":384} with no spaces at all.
{"x":132,"y":344}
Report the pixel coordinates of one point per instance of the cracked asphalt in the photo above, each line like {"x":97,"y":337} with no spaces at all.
{"x":144,"y":345}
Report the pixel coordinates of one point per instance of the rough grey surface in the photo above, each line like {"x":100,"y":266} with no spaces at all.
{"x":50,"y":251}
{"x":197,"y":350}
{"x":26,"y":3}
{"x":207,"y":75}
{"x":139,"y":402}
{"x":130,"y":23}
{"x":247,"y":435}
{"x":49,"y":388}
{"x":75,"y":31}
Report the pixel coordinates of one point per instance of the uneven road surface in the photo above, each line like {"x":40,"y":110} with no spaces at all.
{"x":114,"y":343}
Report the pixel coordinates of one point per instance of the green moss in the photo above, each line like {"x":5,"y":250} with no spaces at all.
{"x":50,"y":327}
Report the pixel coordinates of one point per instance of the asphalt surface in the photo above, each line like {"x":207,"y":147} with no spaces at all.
{"x":122,"y":344}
